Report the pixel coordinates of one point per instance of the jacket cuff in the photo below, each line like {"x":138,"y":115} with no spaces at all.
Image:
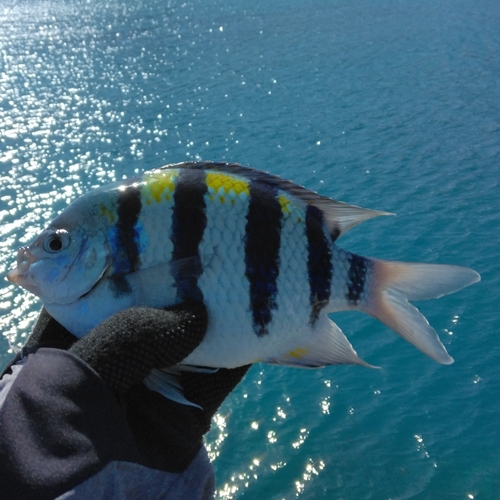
{"x":59,"y":425}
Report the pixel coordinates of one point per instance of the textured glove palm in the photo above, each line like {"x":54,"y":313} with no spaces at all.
{"x":124,"y":348}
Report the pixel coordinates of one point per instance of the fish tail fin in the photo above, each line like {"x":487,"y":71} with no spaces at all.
{"x":395,"y":283}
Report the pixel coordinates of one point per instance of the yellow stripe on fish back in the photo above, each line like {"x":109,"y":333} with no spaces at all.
{"x":224,"y":187}
{"x":290,"y":209}
{"x":159,"y":185}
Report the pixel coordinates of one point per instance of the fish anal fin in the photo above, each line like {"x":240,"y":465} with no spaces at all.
{"x":326,"y":346}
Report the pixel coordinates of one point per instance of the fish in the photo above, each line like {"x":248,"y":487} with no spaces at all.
{"x":261,"y":253}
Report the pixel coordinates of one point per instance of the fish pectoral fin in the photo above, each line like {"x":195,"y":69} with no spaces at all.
{"x":166,"y":382}
{"x":327,"y":345}
{"x":154,"y":286}
{"x":340,"y":216}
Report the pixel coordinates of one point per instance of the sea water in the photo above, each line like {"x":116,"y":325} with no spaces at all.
{"x":388,"y":104}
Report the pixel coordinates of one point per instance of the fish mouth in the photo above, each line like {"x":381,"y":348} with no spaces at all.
{"x":15,"y":276}
{"x":45,"y":276}
{"x":23,"y":280}
{"x":20,"y":275}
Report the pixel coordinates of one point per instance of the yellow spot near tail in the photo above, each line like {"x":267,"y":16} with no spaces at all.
{"x":104,"y":211}
{"x":298,"y":353}
{"x":227,"y":182}
{"x":159,"y":185}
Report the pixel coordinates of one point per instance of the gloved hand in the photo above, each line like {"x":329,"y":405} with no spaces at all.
{"x":125,"y":347}
{"x":48,"y":332}
{"x":60,"y":427}
{"x":209,"y":390}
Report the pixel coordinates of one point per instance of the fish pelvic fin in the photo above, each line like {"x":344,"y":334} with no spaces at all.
{"x":395,"y":283}
{"x":327,"y":345}
{"x":166,"y":381}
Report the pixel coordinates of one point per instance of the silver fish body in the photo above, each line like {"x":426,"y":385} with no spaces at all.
{"x":258,"y":250}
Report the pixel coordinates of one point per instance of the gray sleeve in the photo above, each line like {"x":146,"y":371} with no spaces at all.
{"x":128,"y":481}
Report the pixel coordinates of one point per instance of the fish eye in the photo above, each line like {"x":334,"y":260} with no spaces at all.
{"x":56,"y":241}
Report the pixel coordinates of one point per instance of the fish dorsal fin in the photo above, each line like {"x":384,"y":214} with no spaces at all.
{"x":338,"y":216}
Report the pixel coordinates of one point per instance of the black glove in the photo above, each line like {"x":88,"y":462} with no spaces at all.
{"x":170,"y":434}
{"x":121,"y":341}
{"x":124,"y":348}
{"x":49,"y":333}
{"x":46,"y":333}
{"x":209,"y":390}
{"x":61,"y":424}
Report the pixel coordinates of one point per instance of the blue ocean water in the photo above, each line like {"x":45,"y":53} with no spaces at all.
{"x":387,"y":104}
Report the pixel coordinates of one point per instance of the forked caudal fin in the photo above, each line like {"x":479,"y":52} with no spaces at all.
{"x":393,"y":284}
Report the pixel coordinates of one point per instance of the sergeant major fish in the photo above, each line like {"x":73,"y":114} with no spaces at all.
{"x":259,"y":251}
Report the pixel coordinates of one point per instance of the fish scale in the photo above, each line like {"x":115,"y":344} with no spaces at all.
{"x":260,"y":251}
{"x":293,"y":296}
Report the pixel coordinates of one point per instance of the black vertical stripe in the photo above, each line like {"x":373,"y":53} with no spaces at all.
{"x":128,"y":210}
{"x":319,"y":261}
{"x":125,"y":240}
{"x":356,"y":278}
{"x":189,"y":221}
{"x":262,"y":247}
